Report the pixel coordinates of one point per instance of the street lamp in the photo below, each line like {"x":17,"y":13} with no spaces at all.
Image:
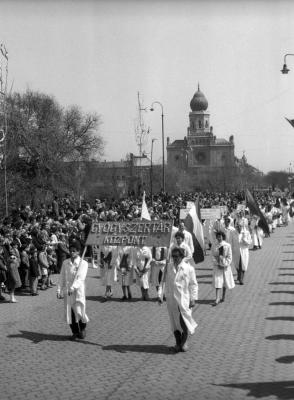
{"x":151,"y":172}
{"x":162,"y":133}
{"x":285,"y":69}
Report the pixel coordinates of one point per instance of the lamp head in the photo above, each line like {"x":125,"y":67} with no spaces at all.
{"x":285,"y":69}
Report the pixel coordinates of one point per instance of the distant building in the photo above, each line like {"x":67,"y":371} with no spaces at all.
{"x":116,"y":178}
{"x":201,"y":154}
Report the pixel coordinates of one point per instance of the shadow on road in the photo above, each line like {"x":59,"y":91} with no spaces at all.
{"x":282,"y":303}
{"x":286,"y":274}
{"x":283,"y":291}
{"x":280,"y":318}
{"x":203,"y":276}
{"x":281,"y":389}
{"x":280,"y":337}
{"x":205,"y":302}
{"x":281,"y":283}
{"x":285,"y":359}
{"x":140,"y":348}
{"x":36,"y":337}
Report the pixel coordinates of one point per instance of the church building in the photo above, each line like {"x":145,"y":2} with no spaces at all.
{"x":201,"y":154}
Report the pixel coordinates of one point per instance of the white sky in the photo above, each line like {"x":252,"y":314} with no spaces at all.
{"x":99,"y":54}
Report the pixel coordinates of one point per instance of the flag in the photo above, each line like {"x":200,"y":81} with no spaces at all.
{"x":144,"y":210}
{"x":194,"y":226}
{"x":291,"y":121}
{"x":254,"y":209}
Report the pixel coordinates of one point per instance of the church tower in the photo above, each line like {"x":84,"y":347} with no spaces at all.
{"x":201,"y":153}
{"x":199,"y":133}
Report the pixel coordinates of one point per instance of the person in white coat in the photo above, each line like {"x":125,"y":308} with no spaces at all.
{"x":245,"y":241}
{"x":181,"y":292}
{"x":109,"y":258}
{"x":71,"y":287}
{"x":232,"y":237}
{"x":142,"y":267}
{"x":124,"y":265}
{"x":222,"y":272}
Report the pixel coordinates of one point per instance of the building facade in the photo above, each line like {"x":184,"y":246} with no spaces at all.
{"x":201,"y":154}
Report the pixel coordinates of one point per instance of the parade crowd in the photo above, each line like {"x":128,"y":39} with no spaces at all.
{"x":38,"y":244}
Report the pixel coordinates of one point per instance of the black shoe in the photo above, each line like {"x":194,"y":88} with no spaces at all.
{"x":73,"y":337}
{"x":241,"y":283}
{"x":82,"y":334}
{"x":124,"y":298}
{"x":130,"y":296}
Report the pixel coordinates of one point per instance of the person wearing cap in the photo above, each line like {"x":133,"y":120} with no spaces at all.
{"x":181,"y":292}
{"x":71,"y":287}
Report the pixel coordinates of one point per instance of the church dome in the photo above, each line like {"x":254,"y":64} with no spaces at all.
{"x":199,"y":102}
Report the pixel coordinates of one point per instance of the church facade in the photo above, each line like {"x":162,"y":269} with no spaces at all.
{"x":201,"y":154}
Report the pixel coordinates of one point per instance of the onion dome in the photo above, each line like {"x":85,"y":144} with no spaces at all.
{"x":199,"y":102}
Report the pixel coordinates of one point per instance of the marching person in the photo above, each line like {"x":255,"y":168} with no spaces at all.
{"x":125,"y":270}
{"x":245,"y":241}
{"x":181,"y":292}
{"x":71,"y":286}
{"x":188,"y":240}
{"x":222,"y":272}
{"x":108,"y":264}
{"x":159,"y":256}
{"x":257,"y":233}
{"x":232,"y":237}
{"x":142,"y":265}
{"x":180,"y":243}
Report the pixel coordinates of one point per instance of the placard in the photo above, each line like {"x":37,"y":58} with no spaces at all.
{"x":137,"y":233}
{"x":241,"y":207}
{"x":210,"y":213}
{"x":183,"y":213}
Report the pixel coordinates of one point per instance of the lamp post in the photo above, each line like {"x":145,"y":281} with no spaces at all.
{"x":285,"y":69}
{"x":162,"y":133}
{"x":3,"y":101}
{"x":151,"y":172}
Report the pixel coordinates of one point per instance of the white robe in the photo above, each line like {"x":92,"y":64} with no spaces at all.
{"x":180,"y":289}
{"x":109,"y":271}
{"x":73,"y":276}
{"x":222,"y":276}
{"x":245,"y":241}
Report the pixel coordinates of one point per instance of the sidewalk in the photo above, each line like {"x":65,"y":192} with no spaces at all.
{"x":242,"y":349}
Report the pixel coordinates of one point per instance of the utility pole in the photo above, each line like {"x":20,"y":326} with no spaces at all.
{"x":3,"y":94}
{"x":141,"y":134}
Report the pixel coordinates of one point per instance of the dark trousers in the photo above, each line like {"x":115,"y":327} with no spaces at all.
{"x":76,"y":327}
{"x":240,"y":272}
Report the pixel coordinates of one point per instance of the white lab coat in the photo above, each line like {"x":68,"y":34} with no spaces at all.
{"x":232,"y":237}
{"x":180,"y":289}
{"x":142,"y":266}
{"x":73,"y":276}
{"x":245,"y":241}
{"x":222,"y":277}
{"x":108,"y":271}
